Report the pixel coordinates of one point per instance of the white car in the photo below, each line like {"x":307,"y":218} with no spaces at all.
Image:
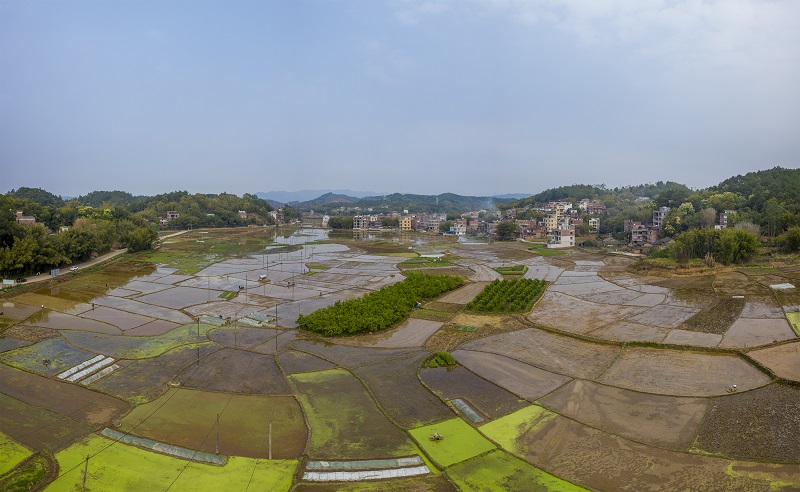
{"x":73,"y":268}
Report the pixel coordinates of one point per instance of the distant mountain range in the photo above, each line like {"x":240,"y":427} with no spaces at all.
{"x":310,"y":197}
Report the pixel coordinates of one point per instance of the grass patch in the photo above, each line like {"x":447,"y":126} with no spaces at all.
{"x":138,"y":347}
{"x":499,"y":470}
{"x":11,"y":453}
{"x":461,"y":442}
{"x":28,"y":476}
{"x":128,"y":468}
{"x":440,"y":359}
{"x":542,"y":250}
{"x":228,"y":295}
{"x":312,"y":266}
{"x":505,"y":431}
{"x":468,"y":329}
{"x":409,"y":254}
{"x":512,"y":270}
{"x":794,"y":320}
{"x":421,"y":262}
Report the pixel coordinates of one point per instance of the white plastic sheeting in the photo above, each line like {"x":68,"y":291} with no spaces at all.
{"x":354,"y":476}
{"x":72,"y":370}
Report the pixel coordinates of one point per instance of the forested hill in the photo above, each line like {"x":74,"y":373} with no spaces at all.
{"x":758,"y":187}
{"x":443,"y":203}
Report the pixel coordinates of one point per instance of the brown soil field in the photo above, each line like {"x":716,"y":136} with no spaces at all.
{"x":699,"y":339}
{"x":457,"y":382}
{"x":37,"y":428}
{"x":747,"y":332}
{"x":716,"y":318}
{"x":59,"y":321}
{"x":623,"y":331}
{"x":145,"y":380}
{"x":188,"y":418}
{"x":762,"y":424}
{"x":663,"y":421}
{"x":789,"y":299}
{"x":30,"y":333}
{"x":411,"y":333}
{"x":738,"y":284}
{"x":236,"y":371}
{"x":783,"y":360}
{"x":67,"y":399}
{"x":18,"y":310}
{"x":292,"y":362}
{"x":446,"y":307}
{"x":345,"y":356}
{"x":564,"y":312}
{"x":665,"y":316}
{"x":450,"y":336}
{"x":397,"y":390}
{"x":518,"y":378}
{"x":681,"y":372}
{"x":430,"y":483}
{"x":555,"y":353}
{"x":464,"y":294}
{"x":602,"y":461}
{"x":761,"y":308}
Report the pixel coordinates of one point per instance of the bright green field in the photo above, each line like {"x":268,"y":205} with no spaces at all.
{"x":11,"y":453}
{"x":499,"y":470}
{"x":794,"y":319}
{"x":137,"y":347}
{"x":506,"y":430}
{"x":540,"y":249}
{"x":128,"y":468}
{"x":460,"y":442}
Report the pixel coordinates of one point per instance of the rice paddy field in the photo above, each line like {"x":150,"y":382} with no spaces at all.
{"x":611,"y":381}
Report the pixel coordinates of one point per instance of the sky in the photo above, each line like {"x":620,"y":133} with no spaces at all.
{"x":475,"y":97}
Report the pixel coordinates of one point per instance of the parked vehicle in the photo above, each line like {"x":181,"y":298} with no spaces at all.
{"x":21,"y":280}
{"x":73,"y":268}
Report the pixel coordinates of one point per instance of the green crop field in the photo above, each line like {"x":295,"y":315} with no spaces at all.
{"x":499,"y":470}
{"x":460,"y":442}
{"x":512,"y":270}
{"x":119,"y":467}
{"x":138,"y":347}
{"x":506,"y":430}
{"x":11,"y":453}
{"x":794,"y":319}
{"x":541,"y":250}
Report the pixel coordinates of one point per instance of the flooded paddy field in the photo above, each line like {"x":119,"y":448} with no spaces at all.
{"x":613,"y":381}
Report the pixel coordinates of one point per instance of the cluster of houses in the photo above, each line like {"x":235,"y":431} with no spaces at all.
{"x":558,"y":226}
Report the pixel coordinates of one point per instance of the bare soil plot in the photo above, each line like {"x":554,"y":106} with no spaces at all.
{"x":664,"y":421}
{"x":67,"y":399}
{"x":397,"y":390}
{"x":624,"y":331}
{"x":292,"y":362}
{"x":345,"y":422}
{"x":783,"y":360}
{"x":120,"y":319}
{"x":347,"y":356}
{"x":146,"y":380}
{"x":681,"y":372}
{"x":153,"y":328}
{"x":60,"y":321}
{"x":187,"y":418}
{"x":715,"y":318}
{"x":664,"y":315}
{"x":38,"y":428}
{"x":457,"y":382}
{"x":746,"y":332}
{"x":699,"y":339}
{"x":464,"y":294}
{"x":589,"y":457}
{"x":277,"y":344}
{"x":761,"y":308}
{"x":738,"y":284}
{"x":451,"y":335}
{"x":48,"y":357}
{"x":178,"y":297}
{"x":563,"y":312}
{"x":555,"y":353}
{"x":31,"y":334}
{"x":411,"y":333}
{"x":236,"y":371}
{"x":55,"y":302}
{"x":150,"y":310}
{"x":789,"y":299}
{"x":524,"y":380}
{"x":763,"y":424}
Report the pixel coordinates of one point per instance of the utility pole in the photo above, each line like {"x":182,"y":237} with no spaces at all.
{"x":270,"y":439}
{"x":217,"y":434}
{"x":85,"y":471}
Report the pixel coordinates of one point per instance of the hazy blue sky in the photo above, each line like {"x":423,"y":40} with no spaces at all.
{"x":418,"y":96}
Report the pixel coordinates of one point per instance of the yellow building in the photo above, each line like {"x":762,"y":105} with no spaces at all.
{"x":405,"y":223}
